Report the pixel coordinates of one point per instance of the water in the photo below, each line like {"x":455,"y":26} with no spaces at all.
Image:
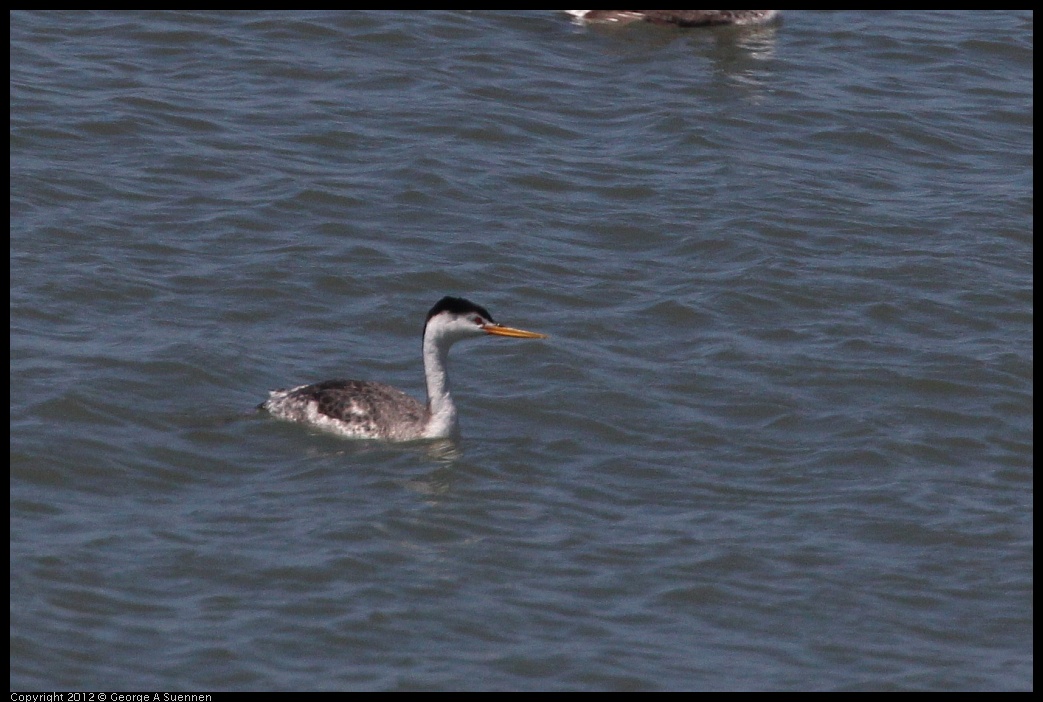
{"x":780,"y":436}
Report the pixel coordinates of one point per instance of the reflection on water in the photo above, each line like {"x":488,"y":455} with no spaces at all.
{"x":738,"y":51}
{"x":444,"y":451}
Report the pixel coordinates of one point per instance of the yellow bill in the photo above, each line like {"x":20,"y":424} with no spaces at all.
{"x":500,"y":330}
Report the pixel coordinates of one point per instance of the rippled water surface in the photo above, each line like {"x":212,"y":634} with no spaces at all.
{"x":780,"y":436}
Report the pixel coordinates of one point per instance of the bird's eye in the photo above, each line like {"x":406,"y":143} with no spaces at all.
{"x":478,"y":320}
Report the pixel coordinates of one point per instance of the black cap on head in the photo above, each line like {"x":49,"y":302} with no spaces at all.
{"x":457,"y":305}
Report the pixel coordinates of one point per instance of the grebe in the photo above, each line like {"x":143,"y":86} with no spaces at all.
{"x":367,"y":410}
{"x":681,"y":18}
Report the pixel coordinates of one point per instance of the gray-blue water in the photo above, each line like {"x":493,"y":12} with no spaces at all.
{"x":780,"y":436}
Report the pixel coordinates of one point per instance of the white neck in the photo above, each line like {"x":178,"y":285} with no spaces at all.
{"x":442,"y":420}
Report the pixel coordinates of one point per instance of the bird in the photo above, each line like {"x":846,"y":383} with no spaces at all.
{"x":680,"y":18}
{"x":368,"y":410}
